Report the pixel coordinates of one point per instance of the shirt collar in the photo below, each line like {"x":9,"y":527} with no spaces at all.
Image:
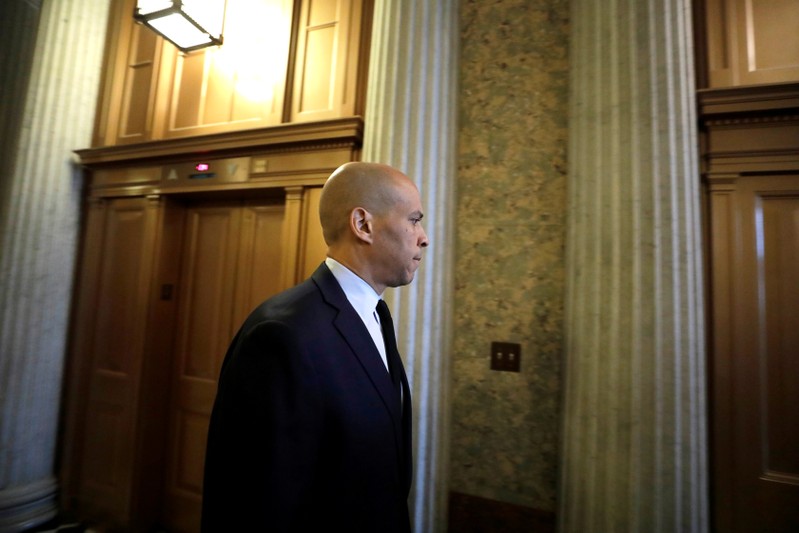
{"x":360,"y":294}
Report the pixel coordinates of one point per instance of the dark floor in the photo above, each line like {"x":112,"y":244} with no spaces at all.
{"x":60,"y":524}
{"x":467,"y":514}
{"x":68,"y":524}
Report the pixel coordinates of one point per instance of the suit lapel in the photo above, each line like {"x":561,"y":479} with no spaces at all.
{"x":355,"y":334}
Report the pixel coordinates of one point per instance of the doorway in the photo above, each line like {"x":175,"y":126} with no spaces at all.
{"x":165,"y":281}
{"x":230,"y":261}
{"x":755,"y":363}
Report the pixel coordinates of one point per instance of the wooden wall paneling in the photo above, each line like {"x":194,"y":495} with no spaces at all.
{"x":189,"y":87}
{"x":751,"y":165}
{"x":750,"y":42}
{"x":206,"y":309}
{"x":263,"y":75}
{"x":755,"y":264}
{"x":701,"y":54}
{"x":117,"y":40}
{"x":291,"y":235}
{"x":79,"y":361}
{"x":131,"y":81}
{"x":360,"y":70}
{"x":720,"y":33}
{"x":313,"y":249}
{"x":767,"y":41}
{"x":239,"y":85}
{"x":260,"y":61}
{"x":326,"y":71}
{"x":304,"y":243}
{"x":127,"y":103}
{"x":780,"y":238}
{"x":301,"y":166}
{"x":115,"y":351}
{"x":721,"y":244}
{"x":152,"y":427}
{"x":260,"y":265}
{"x":138,"y":94}
{"x":765,"y":375}
{"x":232,"y":261}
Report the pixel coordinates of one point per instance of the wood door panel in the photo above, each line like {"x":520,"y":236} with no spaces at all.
{"x":260,"y":258}
{"x":327,"y":59}
{"x":189,"y":81}
{"x":206,"y":298}
{"x":193,"y":392}
{"x":166,"y":284}
{"x":239,"y":85}
{"x":107,"y":423}
{"x":191,"y":442}
{"x":116,"y":354}
{"x":767,"y":41}
{"x":313,"y":247}
{"x":206,"y":302}
{"x":780,"y":237}
{"x":137,"y":95}
{"x":751,"y":42}
{"x":764,"y":357}
{"x":116,"y":342}
{"x":232,"y":259}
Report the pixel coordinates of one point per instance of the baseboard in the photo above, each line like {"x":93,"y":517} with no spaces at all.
{"x":28,"y":506}
{"x":473,"y":514}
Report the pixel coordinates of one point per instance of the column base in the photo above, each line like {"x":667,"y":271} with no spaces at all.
{"x":31,"y":505}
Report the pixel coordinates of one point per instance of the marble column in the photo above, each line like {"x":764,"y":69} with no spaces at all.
{"x":39,"y":234}
{"x":411,"y":125}
{"x":634,"y":421}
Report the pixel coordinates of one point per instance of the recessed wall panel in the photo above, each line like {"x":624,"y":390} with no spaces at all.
{"x":781,"y":312}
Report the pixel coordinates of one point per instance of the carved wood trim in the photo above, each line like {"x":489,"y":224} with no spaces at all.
{"x":755,"y":98}
{"x":750,"y":129}
{"x":304,"y":136}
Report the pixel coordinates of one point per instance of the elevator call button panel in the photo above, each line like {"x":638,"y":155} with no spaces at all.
{"x":206,"y":172}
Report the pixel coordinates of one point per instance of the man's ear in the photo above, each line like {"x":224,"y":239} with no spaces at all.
{"x":361,"y":224}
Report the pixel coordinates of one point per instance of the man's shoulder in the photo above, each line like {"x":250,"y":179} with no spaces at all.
{"x":289,"y":303}
{"x":318,"y":291}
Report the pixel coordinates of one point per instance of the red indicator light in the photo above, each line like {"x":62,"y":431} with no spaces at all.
{"x":202,"y":167}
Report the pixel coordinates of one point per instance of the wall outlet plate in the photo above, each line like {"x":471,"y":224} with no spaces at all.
{"x":506,"y":356}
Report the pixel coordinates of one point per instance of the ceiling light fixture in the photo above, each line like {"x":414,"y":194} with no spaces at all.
{"x":188,"y":24}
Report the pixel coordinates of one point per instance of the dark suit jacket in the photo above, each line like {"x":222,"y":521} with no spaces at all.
{"x":307,"y":432}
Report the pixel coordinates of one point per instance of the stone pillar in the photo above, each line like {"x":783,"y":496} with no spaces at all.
{"x":411,"y":125}
{"x":39,"y":233}
{"x":634,"y":421}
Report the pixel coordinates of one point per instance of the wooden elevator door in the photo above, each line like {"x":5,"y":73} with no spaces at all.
{"x":231,"y":261}
{"x":756,"y":355}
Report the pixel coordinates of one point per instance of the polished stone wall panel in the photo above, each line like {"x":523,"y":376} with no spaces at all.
{"x":511,"y":219}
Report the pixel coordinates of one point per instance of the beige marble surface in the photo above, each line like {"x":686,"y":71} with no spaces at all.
{"x":511,"y":217}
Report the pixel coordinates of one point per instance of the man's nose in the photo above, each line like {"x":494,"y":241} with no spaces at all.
{"x":423,"y":241}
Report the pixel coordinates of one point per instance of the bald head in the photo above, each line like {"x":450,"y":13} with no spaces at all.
{"x":372,"y":186}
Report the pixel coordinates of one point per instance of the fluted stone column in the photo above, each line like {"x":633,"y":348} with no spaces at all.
{"x":411,"y":125}
{"x":634,"y":422}
{"x":40,"y":212}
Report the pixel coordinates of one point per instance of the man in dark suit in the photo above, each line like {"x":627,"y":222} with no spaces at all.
{"x":311,"y":426}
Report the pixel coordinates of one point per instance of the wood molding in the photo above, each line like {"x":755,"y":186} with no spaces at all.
{"x":750,"y":129}
{"x":322,"y":134}
{"x":748,"y":99}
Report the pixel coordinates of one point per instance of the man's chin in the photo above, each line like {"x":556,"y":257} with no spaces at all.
{"x":402,"y":282}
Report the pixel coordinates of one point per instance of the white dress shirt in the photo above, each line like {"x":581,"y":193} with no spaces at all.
{"x":363,"y":299}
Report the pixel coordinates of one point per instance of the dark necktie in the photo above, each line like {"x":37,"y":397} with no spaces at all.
{"x":392,"y":353}
{"x":395,"y":369}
